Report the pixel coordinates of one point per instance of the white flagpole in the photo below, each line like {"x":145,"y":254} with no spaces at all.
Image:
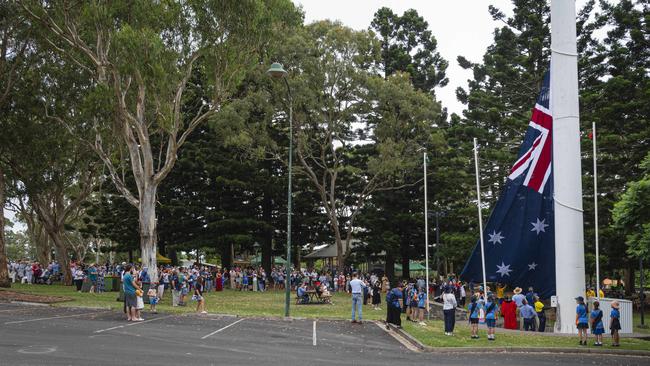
{"x":593,"y":135}
{"x":426,"y":235}
{"x":567,"y":172}
{"x":480,"y":216}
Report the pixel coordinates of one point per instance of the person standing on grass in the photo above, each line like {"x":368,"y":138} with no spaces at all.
{"x":491,"y":308}
{"x":449,"y":309}
{"x":541,"y":314}
{"x":474,"y":309}
{"x":176,"y":288}
{"x":528,"y":314}
{"x":394,"y":306}
{"x":92,"y":276}
{"x":130,"y":299}
{"x":597,"y":328}
{"x":78,"y":278}
{"x":422,"y":301}
{"x":509,"y":312}
{"x":356,"y":288}
{"x":376,"y":295}
{"x":582,"y":322}
{"x":615,"y":324}
{"x":198,"y":296}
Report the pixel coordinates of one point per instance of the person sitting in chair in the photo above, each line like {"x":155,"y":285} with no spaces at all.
{"x":325,"y":294}
{"x":302,"y":293}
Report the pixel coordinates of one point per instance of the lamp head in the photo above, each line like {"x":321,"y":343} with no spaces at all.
{"x":276,"y":70}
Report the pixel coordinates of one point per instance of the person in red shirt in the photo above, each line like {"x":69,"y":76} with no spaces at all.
{"x":509,"y":312}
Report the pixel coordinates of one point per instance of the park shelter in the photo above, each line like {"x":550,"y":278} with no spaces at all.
{"x":160,"y":259}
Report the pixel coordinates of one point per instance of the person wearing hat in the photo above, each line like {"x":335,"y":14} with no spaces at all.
{"x":541,"y":314}
{"x":615,"y":323}
{"x":518,"y":298}
{"x":582,"y":321}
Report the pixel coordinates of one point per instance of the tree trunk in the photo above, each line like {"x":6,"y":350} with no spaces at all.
{"x":339,"y":247}
{"x":56,"y":234}
{"x":629,"y":280}
{"x":4,"y":272}
{"x":390,"y":267}
{"x":226,"y":258}
{"x":267,"y":240}
{"x":406,"y":264}
{"x":148,"y":239}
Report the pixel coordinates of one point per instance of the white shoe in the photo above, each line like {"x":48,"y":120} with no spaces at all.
{"x":422,"y":324}
{"x":204,"y":312}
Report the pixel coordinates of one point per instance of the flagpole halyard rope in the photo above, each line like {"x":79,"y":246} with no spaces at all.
{"x":567,"y":206}
{"x":564,"y":53}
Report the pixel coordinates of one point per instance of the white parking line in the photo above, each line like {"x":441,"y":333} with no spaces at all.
{"x":224,"y":328}
{"x":52,"y":317}
{"x":131,"y":324}
{"x":314,"y":335}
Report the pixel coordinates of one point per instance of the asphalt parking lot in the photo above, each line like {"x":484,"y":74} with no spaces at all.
{"x":36,"y":335}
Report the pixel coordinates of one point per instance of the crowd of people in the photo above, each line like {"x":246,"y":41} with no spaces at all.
{"x":523,"y":311}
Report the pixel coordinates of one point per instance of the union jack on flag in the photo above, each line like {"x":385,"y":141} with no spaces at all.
{"x":520,"y":236}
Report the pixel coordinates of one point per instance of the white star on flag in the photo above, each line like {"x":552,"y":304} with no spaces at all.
{"x":495,"y":237}
{"x":532,"y":266}
{"x":504,"y":270}
{"x":539,"y":226}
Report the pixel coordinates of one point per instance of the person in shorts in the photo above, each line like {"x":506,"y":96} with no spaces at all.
{"x":491,"y":308}
{"x":474,"y":310}
{"x":422,"y":301}
{"x":582,"y":322}
{"x":615,"y":323}
{"x":153,"y":298}
{"x":198,"y":296}
{"x":130,"y":299}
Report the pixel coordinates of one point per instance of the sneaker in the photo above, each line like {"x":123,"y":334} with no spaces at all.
{"x":204,"y":312}
{"x":422,"y":324}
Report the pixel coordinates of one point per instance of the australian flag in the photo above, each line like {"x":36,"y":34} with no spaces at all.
{"x":519,"y":238}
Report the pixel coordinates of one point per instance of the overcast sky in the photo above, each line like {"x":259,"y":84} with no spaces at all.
{"x":462,"y":27}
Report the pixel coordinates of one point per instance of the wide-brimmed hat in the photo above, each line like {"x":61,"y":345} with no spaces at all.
{"x":517,"y":290}
{"x":615,"y":304}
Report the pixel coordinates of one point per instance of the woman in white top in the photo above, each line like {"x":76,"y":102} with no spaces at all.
{"x":449,"y":309}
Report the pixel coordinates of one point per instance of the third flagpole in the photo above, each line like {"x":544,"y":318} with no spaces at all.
{"x":480,"y":217}
{"x":593,"y":136}
{"x":426,"y":236}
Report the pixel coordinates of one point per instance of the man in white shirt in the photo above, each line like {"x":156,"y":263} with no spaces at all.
{"x":356,"y":287}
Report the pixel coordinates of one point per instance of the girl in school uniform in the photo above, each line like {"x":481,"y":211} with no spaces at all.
{"x":581,"y":320}
{"x":597,"y":328}
{"x":615,"y":324}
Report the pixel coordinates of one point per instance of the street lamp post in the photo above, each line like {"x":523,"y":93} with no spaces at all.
{"x":277,"y":71}
{"x":426,"y":235}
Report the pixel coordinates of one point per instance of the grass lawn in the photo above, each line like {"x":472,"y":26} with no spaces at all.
{"x":271,"y":304}
{"x":433,"y":335}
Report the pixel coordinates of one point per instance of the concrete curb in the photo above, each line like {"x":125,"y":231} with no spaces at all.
{"x":604,"y":351}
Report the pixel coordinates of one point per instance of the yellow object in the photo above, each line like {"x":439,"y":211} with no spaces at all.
{"x":591,"y":293}
{"x":500,"y":291}
{"x":601,"y":293}
{"x":159,"y":259}
{"x":539,"y":306}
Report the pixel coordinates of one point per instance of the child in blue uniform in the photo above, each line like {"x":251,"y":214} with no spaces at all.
{"x":491,"y":309}
{"x":615,"y":323}
{"x":474,"y":309}
{"x":582,"y":322}
{"x":597,"y":327}
{"x":422,"y":300}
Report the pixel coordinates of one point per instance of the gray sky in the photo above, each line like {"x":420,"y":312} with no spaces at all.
{"x":462,"y":27}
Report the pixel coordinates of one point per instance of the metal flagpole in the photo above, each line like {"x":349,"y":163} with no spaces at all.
{"x":593,"y":136}
{"x":567,"y":172}
{"x":480,"y":216}
{"x":426,"y":235}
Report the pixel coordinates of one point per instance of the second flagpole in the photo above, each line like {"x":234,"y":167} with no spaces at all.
{"x":480,"y":217}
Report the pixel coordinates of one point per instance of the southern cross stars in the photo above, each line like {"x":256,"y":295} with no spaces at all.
{"x":503,"y":270}
{"x":539,"y":226}
{"x":495,"y":237}
{"x":532,"y":266}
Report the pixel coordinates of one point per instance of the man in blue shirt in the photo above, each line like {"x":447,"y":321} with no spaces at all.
{"x":302,"y":293}
{"x":356,"y":287}
{"x":528,"y":314}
